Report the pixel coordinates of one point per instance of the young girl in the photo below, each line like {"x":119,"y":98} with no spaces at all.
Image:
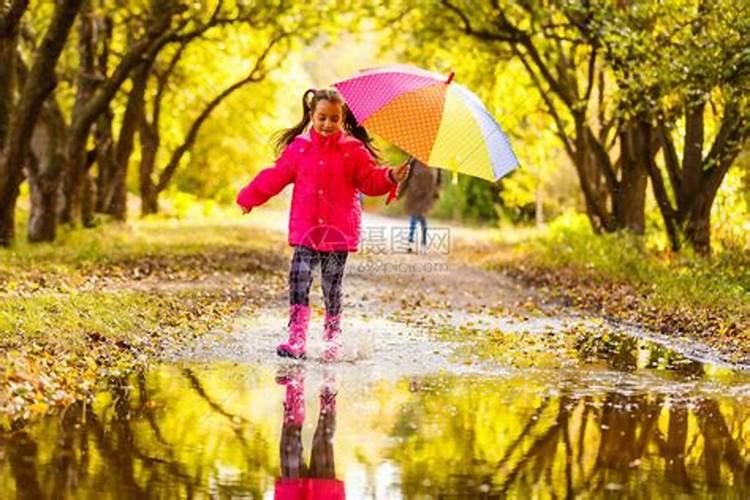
{"x":329,"y":165}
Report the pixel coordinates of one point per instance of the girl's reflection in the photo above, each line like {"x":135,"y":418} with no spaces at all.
{"x":298,"y":481}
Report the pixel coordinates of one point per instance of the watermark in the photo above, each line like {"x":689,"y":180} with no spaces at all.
{"x":382,"y":250}
{"x":390,"y":240}
{"x":383,"y":266}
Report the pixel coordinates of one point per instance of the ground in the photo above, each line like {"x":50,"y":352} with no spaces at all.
{"x":438,"y":350}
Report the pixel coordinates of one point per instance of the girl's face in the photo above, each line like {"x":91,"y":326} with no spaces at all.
{"x":327,"y":117}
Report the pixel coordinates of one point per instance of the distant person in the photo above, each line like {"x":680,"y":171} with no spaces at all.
{"x":420,"y":190}
{"x":328,"y":164}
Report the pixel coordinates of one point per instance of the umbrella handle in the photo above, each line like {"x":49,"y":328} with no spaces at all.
{"x":450,"y":77}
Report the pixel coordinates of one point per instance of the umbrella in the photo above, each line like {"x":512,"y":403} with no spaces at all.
{"x":437,"y":121}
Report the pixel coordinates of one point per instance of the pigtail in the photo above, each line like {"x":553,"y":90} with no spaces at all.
{"x":285,"y":137}
{"x":356,"y":130}
{"x":309,"y":100}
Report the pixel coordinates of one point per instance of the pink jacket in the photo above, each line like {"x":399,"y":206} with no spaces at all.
{"x":309,"y":488}
{"x":327,"y":173}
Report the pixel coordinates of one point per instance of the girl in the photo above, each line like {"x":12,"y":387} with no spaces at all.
{"x":329,"y":165}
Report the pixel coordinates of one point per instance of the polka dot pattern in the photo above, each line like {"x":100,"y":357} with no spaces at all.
{"x":366,"y":94}
{"x":498,"y":146}
{"x":411,"y":121}
{"x":443,"y":125}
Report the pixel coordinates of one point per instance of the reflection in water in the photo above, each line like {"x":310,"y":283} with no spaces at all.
{"x":213,"y":431}
{"x":318,"y":480}
{"x":644,"y":446}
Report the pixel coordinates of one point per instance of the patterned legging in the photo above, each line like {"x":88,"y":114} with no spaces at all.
{"x":304,"y":262}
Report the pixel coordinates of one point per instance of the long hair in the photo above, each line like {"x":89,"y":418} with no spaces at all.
{"x":310,"y":100}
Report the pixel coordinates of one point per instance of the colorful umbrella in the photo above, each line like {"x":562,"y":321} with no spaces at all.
{"x":440,"y":123}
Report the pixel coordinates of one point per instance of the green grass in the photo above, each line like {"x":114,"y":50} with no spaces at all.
{"x":216,"y":243}
{"x":64,"y":322}
{"x":720,"y":282}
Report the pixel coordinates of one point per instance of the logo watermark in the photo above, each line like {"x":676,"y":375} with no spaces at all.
{"x":383,"y":249}
{"x":390,"y":240}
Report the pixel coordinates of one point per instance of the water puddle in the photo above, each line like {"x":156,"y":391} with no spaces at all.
{"x":476,"y":406}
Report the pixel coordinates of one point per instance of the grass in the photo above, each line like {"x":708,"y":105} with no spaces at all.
{"x":636,"y":280}
{"x":115,"y":297}
{"x":721,"y":281}
{"x":138,"y":237}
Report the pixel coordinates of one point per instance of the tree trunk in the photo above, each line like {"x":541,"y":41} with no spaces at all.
{"x":539,"y":203}
{"x":150,"y":203}
{"x":113,"y":162}
{"x":43,"y":218}
{"x":692,"y":163}
{"x":8,"y":215}
{"x":10,"y":18}
{"x":589,"y":167}
{"x":44,"y":177}
{"x":73,"y":185}
{"x":88,"y":80}
{"x":105,"y":159}
{"x":88,"y":110}
{"x":8,"y":43}
{"x":40,"y":82}
{"x":117,"y":199}
{"x":629,"y":199}
{"x":7,"y":83}
{"x":87,"y":199}
{"x":698,"y":224}
{"x":149,"y":147}
{"x":668,"y":213}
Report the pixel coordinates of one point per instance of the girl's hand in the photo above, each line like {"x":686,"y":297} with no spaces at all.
{"x":399,"y":174}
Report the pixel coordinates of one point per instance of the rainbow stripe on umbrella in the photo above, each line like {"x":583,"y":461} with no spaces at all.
{"x":426,"y":114}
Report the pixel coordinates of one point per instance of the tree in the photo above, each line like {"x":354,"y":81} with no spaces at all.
{"x":619,"y":80}
{"x":39,"y":84}
{"x":683,"y":69}
{"x":150,"y":136}
{"x":165,"y":23}
{"x":562,"y":59}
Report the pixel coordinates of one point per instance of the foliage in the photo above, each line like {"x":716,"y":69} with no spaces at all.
{"x":723,"y":281}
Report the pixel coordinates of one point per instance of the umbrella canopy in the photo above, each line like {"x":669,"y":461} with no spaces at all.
{"x":439,"y":122}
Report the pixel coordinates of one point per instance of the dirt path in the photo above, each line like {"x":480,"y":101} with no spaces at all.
{"x":419,"y":313}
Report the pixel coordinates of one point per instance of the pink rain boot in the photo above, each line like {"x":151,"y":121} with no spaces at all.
{"x":328,"y":392}
{"x":294,"y":401}
{"x":294,"y":347}
{"x":331,"y":338}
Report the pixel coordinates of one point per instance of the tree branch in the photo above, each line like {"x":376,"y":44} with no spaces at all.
{"x":509,"y":36}
{"x":256,"y":74}
{"x":550,"y":105}
{"x":727,"y":144}
{"x":668,"y":212}
{"x":671,"y":161}
{"x":11,"y":17}
{"x":592,"y":72}
{"x":40,"y":82}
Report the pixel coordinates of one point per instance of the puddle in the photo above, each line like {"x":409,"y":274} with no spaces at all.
{"x":471,"y":406}
{"x":619,"y":424}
